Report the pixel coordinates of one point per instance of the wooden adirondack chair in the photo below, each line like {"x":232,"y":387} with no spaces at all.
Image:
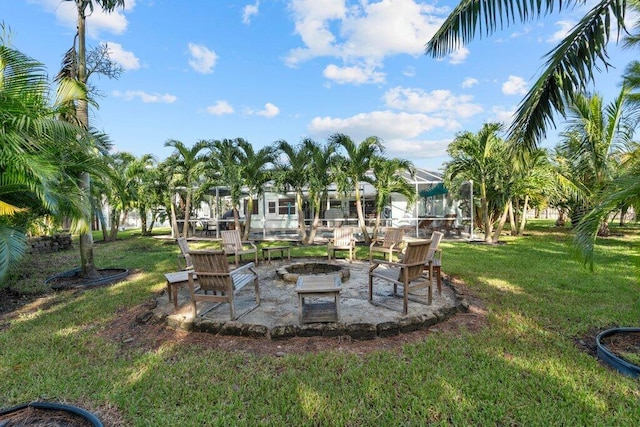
{"x":233,"y":245}
{"x":407,"y":273}
{"x":342,"y":240}
{"x":213,"y":274}
{"x":390,"y":244}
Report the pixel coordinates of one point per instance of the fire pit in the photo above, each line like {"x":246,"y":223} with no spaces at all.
{"x":290,"y":273}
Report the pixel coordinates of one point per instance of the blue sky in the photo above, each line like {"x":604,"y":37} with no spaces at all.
{"x":266,"y":70}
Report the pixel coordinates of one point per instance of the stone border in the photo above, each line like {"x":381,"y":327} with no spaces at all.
{"x":284,"y":274}
{"x":358,"y":331}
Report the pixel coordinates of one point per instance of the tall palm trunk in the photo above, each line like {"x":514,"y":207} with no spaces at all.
{"x":523,"y":219}
{"x":485,"y":212}
{"x":247,"y":224}
{"x":363,"y":225}
{"x":84,"y":180}
{"x":302,"y":226}
{"x":317,"y":208}
{"x":187,"y":212}
{"x":501,"y":222}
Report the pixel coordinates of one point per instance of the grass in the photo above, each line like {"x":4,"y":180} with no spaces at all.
{"x":523,"y":369}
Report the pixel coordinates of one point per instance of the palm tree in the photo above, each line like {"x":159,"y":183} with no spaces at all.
{"x":293,"y":176}
{"x":480,"y":157}
{"x":319,"y":178}
{"x":623,"y":189}
{"x":255,"y":174}
{"x":569,"y":66}
{"x":352,"y":168}
{"x":532,"y":182}
{"x":34,"y":148}
{"x":388,"y":179}
{"x":80,"y":76}
{"x":226,"y":159}
{"x":188,"y":168}
{"x":590,"y":150}
{"x":147,"y":185}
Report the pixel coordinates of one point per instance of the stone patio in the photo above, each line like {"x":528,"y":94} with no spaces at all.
{"x":277,"y":315}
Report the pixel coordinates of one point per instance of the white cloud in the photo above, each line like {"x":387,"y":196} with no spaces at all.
{"x":97,"y":22}
{"x":416,"y":149}
{"x":248,"y":11}
{"x":402,"y":133}
{"x":202,"y":59}
{"x":145,"y":97}
{"x":220,"y":108}
{"x":124,"y":58}
{"x":356,"y":75}
{"x":269,"y":111}
{"x":469,"y":82}
{"x":558,"y":36}
{"x":440,"y":102}
{"x":502,"y":115}
{"x":384,"y":124}
{"x":364,"y":32}
{"x":516,"y":34}
{"x":514,"y":86}
{"x":409,"y":71}
{"x":458,"y":56}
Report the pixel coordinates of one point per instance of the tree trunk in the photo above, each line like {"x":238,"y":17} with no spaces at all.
{"x":247,"y":223}
{"x":174,"y":221}
{"x":86,"y":238}
{"x":503,"y":220}
{"x":523,"y":220}
{"x":302,"y":227}
{"x":512,"y":220}
{"x":316,"y":221}
{"x":623,"y":213}
{"x":103,"y":224}
{"x":187,"y":213}
{"x":361,"y":222}
{"x":485,"y":212}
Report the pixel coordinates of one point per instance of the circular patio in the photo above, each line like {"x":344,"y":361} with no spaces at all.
{"x":277,"y":315}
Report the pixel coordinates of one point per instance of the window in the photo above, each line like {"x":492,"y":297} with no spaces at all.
{"x":286,"y":206}
{"x":272,"y":207}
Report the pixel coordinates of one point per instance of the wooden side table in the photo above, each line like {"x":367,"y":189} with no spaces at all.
{"x":326,"y":286}
{"x":266,"y":252}
{"x":174,"y":281}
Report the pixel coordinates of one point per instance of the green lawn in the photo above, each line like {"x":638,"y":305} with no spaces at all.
{"x":524,"y":368}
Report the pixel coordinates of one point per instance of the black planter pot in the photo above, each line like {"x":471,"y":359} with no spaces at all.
{"x":82,"y":413}
{"x":119,"y":274}
{"x":611,"y":359}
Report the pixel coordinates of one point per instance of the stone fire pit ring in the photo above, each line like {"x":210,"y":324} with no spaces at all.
{"x":291,"y":272}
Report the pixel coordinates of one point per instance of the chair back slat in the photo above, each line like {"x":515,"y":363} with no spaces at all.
{"x":231,"y":240}
{"x":184,"y":249}
{"x":342,"y":236}
{"x":392,"y":236}
{"x":207,"y":261}
{"x":436,"y":237}
{"x":416,"y":253}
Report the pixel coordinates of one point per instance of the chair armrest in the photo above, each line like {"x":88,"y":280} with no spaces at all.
{"x":248,"y":266}
{"x":389,"y":263}
{"x":250,"y":243}
{"x":182,"y":263}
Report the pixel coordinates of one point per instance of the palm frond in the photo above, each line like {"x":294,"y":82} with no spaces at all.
{"x":485,"y":17}
{"x":569,"y":68}
{"x":13,"y":243}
